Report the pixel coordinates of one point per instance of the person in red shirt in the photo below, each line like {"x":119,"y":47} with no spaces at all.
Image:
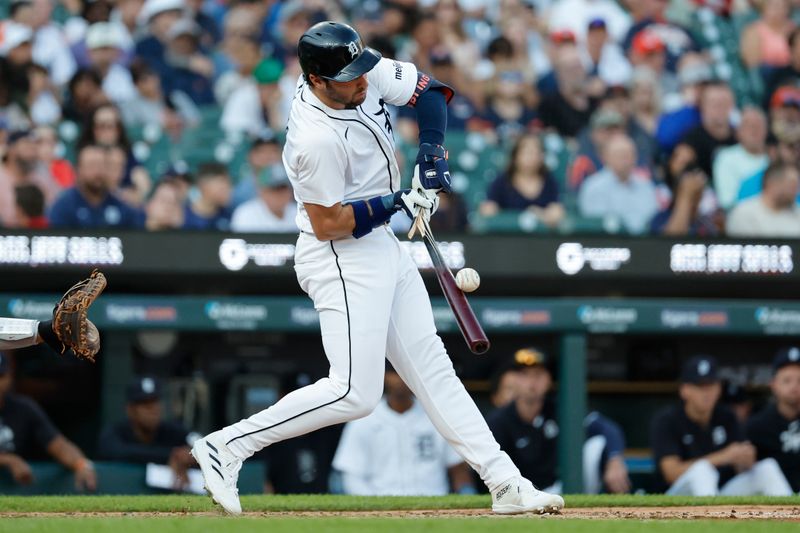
{"x":59,"y":168}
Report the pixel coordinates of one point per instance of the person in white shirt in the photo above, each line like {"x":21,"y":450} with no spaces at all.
{"x":773,"y":213}
{"x":734,"y":164}
{"x":273,"y":210}
{"x":397,"y":451}
{"x":50,"y":45}
{"x":103,"y":42}
{"x":617,"y":191}
{"x":255,"y":105}
{"x":603,"y":57}
{"x":575,"y":15}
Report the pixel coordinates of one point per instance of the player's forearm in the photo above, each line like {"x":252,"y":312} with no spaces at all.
{"x":18,"y":333}
{"x":432,"y":117}
{"x":7,"y":458}
{"x":66,"y":453}
{"x":719,"y":458}
{"x":673,"y":467}
{"x":331,"y":223}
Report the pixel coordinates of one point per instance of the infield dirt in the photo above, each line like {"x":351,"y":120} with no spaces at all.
{"x":708,"y":512}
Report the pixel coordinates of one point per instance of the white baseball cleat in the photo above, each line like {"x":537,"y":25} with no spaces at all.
{"x":220,"y":470}
{"x":518,"y":495}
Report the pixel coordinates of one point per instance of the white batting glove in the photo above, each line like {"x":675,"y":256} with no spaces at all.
{"x":411,"y":201}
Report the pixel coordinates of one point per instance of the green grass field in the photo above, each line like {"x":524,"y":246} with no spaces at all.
{"x":319,"y":514}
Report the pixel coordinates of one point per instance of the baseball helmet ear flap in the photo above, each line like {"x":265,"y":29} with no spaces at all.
{"x":335,"y":51}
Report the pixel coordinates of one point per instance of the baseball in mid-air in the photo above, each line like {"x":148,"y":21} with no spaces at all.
{"x":468,"y":279}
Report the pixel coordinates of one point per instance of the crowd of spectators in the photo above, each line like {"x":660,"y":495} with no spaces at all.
{"x":663,"y":125}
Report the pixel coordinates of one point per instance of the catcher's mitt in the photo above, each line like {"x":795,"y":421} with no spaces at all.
{"x":70,"y":328}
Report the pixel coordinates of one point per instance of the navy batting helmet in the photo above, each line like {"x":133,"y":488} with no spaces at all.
{"x":334,"y":51}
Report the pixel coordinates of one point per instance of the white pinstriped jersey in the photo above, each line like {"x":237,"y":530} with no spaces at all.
{"x":342,"y":155}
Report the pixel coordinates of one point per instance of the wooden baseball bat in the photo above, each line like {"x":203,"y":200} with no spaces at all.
{"x":468,"y":323}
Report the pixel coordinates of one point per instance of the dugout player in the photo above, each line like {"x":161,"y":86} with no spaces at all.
{"x":144,"y":436}
{"x":27,"y":433}
{"x":775,"y":431}
{"x":699,"y":446}
{"x":300,"y":465}
{"x":527,"y":430}
{"x":395,"y":450}
{"x":372,"y":303}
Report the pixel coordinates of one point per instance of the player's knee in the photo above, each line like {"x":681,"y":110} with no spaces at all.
{"x":768,"y":465}
{"x":361,"y":402}
{"x":704,"y":478}
{"x":360,"y":407}
{"x":771,"y":478}
{"x":705,"y":470}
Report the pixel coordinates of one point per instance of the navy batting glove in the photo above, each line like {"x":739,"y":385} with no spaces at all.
{"x":433,"y":171}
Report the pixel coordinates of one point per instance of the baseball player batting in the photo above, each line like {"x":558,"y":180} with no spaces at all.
{"x":371,"y":299}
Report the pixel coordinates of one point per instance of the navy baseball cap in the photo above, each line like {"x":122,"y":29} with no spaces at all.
{"x":143,"y":389}
{"x":700,"y":369}
{"x":786,"y":357}
{"x":17,"y":135}
{"x":596,"y":24}
{"x":5,"y":364}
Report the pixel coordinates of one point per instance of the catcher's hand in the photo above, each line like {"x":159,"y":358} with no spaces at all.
{"x":70,"y":328}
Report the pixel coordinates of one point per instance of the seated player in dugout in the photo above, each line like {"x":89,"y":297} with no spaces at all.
{"x":396,"y":450}
{"x":736,"y":398}
{"x":303,"y":464}
{"x":699,"y":446}
{"x":526,"y":428}
{"x":775,"y":431}
{"x":145,"y":436}
{"x":26,"y":434}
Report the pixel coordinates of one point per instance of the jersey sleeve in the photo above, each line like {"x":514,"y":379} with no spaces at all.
{"x":664,"y":440}
{"x":395,"y":80}
{"x":597,"y":424}
{"x":320,"y":171}
{"x":43,"y":429}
